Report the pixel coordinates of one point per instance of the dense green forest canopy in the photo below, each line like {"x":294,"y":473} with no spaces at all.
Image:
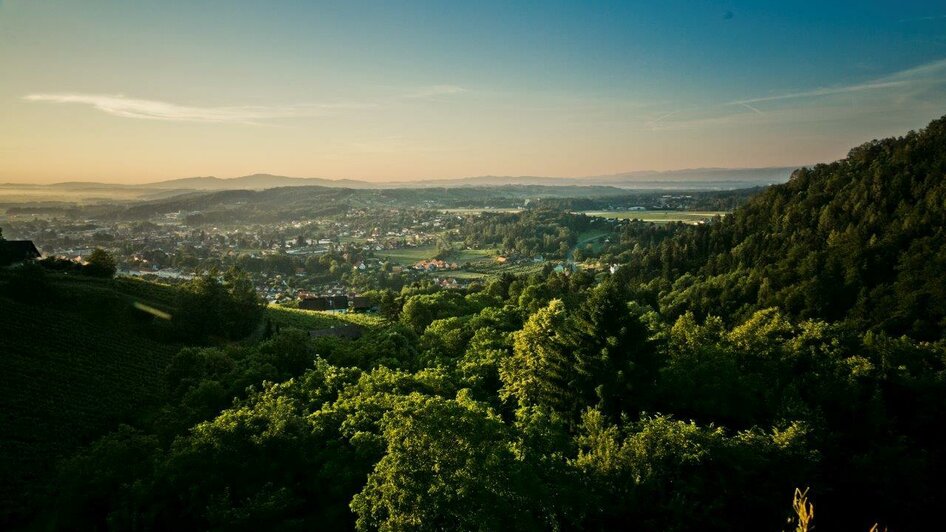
{"x":860,"y":240}
{"x":797,"y":343}
{"x":536,"y":231}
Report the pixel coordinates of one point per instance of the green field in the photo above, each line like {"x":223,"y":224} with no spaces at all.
{"x":595,"y":237}
{"x":690,"y":217}
{"x":465,"y":275}
{"x":314,"y":319}
{"x":474,"y":210}
{"x":474,"y":256}
{"x":409,"y":256}
{"x":494,"y":268}
{"x":477,"y":263}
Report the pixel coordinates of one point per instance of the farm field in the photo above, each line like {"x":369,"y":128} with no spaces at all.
{"x":474,"y":256}
{"x":690,"y":217}
{"x":480,"y":210}
{"x":475,"y":263}
{"x":409,"y":256}
{"x":595,"y":238}
{"x":493,"y":268}
{"x":314,"y":319}
{"x":464,"y":275}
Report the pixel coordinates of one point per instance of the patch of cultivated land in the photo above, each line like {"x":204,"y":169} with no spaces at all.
{"x":464,"y":275}
{"x":475,"y":210}
{"x":315,"y":319}
{"x":464,"y":256}
{"x":408,"y":256}
{"x":595,"y":237}
{"x":690,"y":217}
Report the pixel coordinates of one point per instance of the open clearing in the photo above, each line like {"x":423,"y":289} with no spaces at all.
{"x":316,"y":319}
{"x":478,"y":210}
{"x":690,"y":217}
{"x":409,"y":256}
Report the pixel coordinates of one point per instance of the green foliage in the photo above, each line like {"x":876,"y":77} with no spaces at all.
{"x":208,"y":307}
{"x":600,"y":354}
{"x":636,"y":472}
{"x":203,"y":381}
{"x":100,"y":478}
{"x":488,"y":420}
{"x":540,"y":370}
{"x":530,"y":232}
{"x":100,"y":264}
{"x":421,"y":310}
{"x":466,"y":478}
{"x":283,"y":316}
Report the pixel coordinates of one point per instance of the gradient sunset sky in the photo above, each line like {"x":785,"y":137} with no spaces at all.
{"x":144,"y":91}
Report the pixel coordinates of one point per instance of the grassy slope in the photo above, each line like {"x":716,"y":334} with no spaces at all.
{"x":314,"y":319}
{"x":478,"y":258}
{"x":72,"y":365}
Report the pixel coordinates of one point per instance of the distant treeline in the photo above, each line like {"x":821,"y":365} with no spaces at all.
{"x":700,"y":200}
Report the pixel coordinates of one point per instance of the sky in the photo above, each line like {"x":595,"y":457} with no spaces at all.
{"x":132,"y":92}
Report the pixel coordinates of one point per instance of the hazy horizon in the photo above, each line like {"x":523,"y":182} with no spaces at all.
{"x":383,"y":181}
{"x":119,"y":93}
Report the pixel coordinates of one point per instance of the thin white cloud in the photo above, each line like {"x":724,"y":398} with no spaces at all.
{"x":122,"y":106}
{"x":905,"y":92}
{"x":751,"y":108}
{"x":924,"y":70}
{"x":922,"y":19}
{"x":827,"y":91}
{"x":902,"y":78}
{"x":655,"y":124}
{"x":436,"y":90}
{"x":118,"y":105}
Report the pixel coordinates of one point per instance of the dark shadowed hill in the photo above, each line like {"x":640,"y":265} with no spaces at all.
{"x":77,"y":358}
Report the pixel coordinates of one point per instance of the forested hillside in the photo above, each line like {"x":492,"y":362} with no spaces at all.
{"x":861,"y":240}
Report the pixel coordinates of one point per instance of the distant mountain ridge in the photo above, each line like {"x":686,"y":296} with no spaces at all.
{"x":688,"y":179}
{"x":254,"y":182}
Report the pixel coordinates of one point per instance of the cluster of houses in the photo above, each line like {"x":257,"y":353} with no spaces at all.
{"x":450,"y":282}
{"x":433,"y":265}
